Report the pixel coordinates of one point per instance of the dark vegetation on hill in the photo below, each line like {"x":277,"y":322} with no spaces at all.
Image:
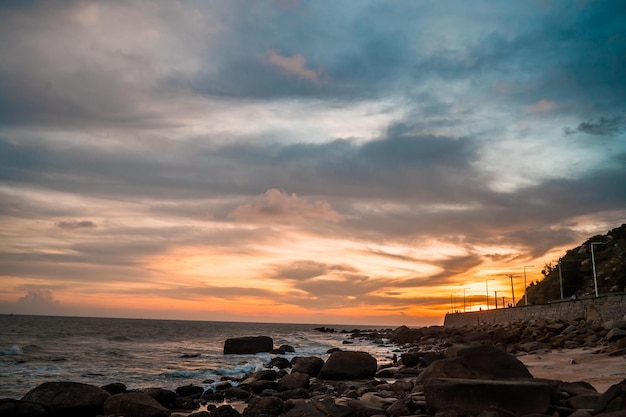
{"x":577,"y":270}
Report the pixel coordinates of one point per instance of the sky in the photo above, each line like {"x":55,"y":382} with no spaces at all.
{"x":358,"y":162}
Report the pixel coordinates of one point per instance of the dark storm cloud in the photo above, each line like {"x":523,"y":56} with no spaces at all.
{"x":394,"y":166}
{"x":391,"y":166}
{"x":605,"y":126}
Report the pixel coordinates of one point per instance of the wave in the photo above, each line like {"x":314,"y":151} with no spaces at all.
{"x":31,"y":349}
{"x":13,"y":350}
{"x":190,"y":355}
{"x":120,"y":339}
{"x":180,"y":374}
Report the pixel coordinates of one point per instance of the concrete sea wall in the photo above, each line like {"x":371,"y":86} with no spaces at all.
{"x":605,"y":307}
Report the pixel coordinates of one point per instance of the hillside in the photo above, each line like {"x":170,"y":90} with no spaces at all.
{"x":577,"y":270}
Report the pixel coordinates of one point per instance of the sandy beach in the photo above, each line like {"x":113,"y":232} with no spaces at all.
{"x":581,"y":364}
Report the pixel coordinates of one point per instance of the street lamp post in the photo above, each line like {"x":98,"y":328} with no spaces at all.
{"x":487,"y":290}
{"x":560,"y":278}
{"x":526,"y":288}
{"x":512,"y":290}
{"x":593,"y":263}
{"x":464,"y":299}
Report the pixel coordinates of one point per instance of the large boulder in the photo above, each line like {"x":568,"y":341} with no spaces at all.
{"x":263,"y":406}
{"x":479,"y":362}
{"x":615,"y":334}
{"x":310,"y":365}
{"x":293,"y":380}
{"x":612,"y":400}
{"x":69,"y":398}
{"x":473,"y":396}
{"x":403,"y":335}
{"x":134,"y":404}
{"x":417,"y":358}
{"x":279,"y":362}
{"x":265,"y":375}
{"x":165,"y":397}
{"x":343,"y":365}
{"x":10,"y":407}
{"x":248,"y":345}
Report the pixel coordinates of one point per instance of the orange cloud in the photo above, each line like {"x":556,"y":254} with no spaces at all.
{"x":281,"y":207}
{"x":294,"y":65}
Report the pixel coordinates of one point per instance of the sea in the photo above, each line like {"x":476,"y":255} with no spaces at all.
{"x":151,"y":353}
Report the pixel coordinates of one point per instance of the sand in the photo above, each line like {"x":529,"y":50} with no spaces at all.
{"x":582,"y":364}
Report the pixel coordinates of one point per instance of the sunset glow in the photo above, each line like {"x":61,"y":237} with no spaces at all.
{"x":375,"y":163}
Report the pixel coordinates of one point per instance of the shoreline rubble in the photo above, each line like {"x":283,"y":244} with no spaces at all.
{"x":442,"y":372}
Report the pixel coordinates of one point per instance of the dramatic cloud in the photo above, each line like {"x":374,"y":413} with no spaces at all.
{"x":352,"y":161}
{"x":611,"y":126}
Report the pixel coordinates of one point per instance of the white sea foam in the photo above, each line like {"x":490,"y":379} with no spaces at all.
{"x":146,"y":353}
{"x":13,"y":350}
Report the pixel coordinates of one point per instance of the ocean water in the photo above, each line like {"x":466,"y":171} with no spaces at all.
{"x":148,"y":353}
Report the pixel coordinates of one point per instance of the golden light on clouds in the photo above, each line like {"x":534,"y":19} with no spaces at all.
{"x":184,"y":161}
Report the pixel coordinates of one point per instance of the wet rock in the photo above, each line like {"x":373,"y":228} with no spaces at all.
{"x":298,"y":393}
{"x":615,"y":334}
{"x":349,"y":365}
{"x":266,"y":375}
{"x":580,"y":413}
{"x":304,"y":409}
{"x":612,"y":400}
{"x":190,"y":391}
{"x":366,"y":408}
{"x":474,"y":396}
{"x":225,"y":411}
{"x":402,"y":386}
{"x":403,"y":407}
{"x":222,"y":386}
{"x":264,"y":406}
{"x":263,"y":385}
{"x":115,"y":388}
{"x":69,"y":398}
{"x":134,"y":404}
{"x":332,"y":409}
{"x":614,"y":324}
{"x":236,"y":393}
{"x":278,"y":362}
{"x":186,"y":403}
{"x":577,"y":388}
{"x":294,"y":380}
{"x":248,"y":345}
{"x":585,"y":401}
{"x":213,"y":396}
{"x":403,"y":335}
{"x":165,"y":397}
{"x":480,"y":362}
{"x":16,"y":408}
{"x":310,"y":365}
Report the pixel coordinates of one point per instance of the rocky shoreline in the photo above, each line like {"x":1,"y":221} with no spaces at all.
{"x":442,"y":372}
